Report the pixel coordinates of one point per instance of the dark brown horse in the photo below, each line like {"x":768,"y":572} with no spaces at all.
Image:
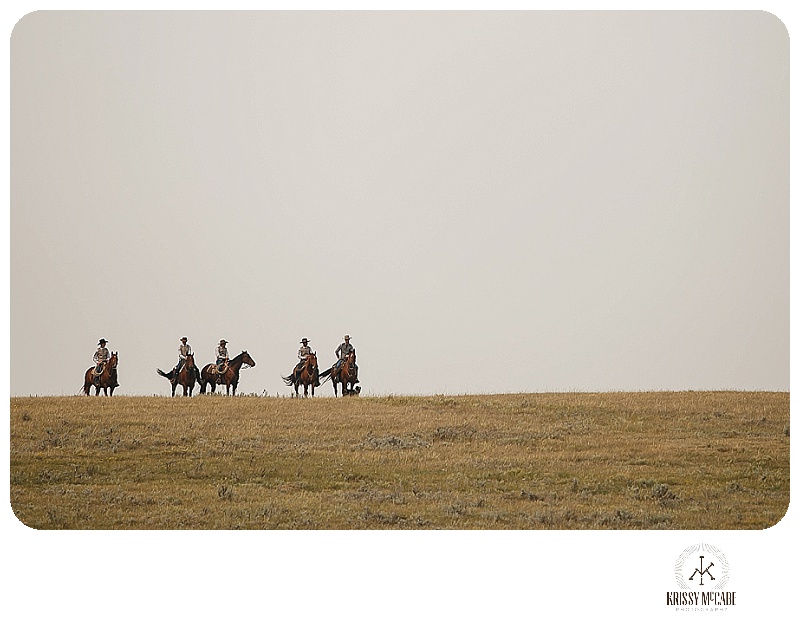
{"x":229,"y":378}
{"x":346,"y":374}
{"x":186,"y":376}
{"x":307,"y":375}
{"x":107,"y":379}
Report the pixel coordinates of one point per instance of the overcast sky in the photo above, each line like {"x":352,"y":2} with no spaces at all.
{"x":485,"y":202}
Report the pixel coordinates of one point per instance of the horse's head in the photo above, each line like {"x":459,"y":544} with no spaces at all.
{"x":246,"y":359}
{"x":311,"y":361}
{"x":190,"y":361}
{"x":349,"y":366}
{"x":113,"y":360}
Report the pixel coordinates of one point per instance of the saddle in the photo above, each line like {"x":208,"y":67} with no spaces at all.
{"x":219,"y":370}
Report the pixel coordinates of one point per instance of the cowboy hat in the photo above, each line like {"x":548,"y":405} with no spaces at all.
{"x":223,"y":341}
{"x":346,"y":337}
{"x":305,"y":340}
{"x":103,"y":341}
{"x":184,"y":338}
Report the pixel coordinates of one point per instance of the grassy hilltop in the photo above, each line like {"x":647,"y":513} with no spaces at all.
{"x":690,"y":460}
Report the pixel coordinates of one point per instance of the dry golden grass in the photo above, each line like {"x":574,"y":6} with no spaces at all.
{"x":691,"y":460}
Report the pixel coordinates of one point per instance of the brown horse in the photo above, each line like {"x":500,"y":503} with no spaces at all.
{"x":307,"y":375}
{"x":346,"y":374}
{"x":107,"y":379}
{"x":186,"y":376}
{"x":230,"y":377}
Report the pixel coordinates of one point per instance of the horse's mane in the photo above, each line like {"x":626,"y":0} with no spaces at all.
{"x":236,"y":360}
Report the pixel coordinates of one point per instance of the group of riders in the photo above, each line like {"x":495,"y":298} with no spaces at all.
{"x":343,"y":351}
{"x":344,"y":372}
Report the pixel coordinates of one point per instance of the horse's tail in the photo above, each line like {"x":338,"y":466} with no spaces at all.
{"x":287,"y":380}
{"x":163,"y":374}
{"x":87,"y":381}
{"x":325,"y":375}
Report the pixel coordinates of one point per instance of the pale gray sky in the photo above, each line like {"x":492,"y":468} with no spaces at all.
{"x":486,"y":202}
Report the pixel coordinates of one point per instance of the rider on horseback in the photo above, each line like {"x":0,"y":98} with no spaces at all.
{"x":342,"y":351}
{"x":101,"y":356}
{"x":303,"y":354}
{"x":222,"y":356}
{"x":183,"y":350}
